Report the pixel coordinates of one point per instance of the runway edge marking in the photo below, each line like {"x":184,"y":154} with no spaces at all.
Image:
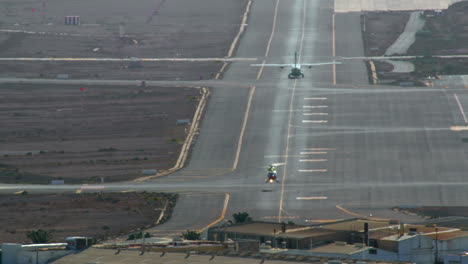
{"x":236,"y":39}
{"x":223,"y":214}
{"x":188,"y":141}
{"x":244,"y":125}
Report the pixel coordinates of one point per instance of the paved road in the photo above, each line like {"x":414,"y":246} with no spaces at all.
{"x":350,"y":146}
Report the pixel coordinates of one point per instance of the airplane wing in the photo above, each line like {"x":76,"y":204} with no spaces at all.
{"x":274,"y":65}
{"x":320,"y":63}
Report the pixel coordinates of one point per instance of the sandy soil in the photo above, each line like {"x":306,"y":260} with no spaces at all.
{"x":118,"y":28}
{"x":119,"y":132}
{"x":90,"y":214}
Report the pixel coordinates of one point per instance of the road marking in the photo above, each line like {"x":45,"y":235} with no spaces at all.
{"x":127,"y":191}
{"x":349,"y":212}
{"x":267,"y":51}
{"x":311,"y":114}
{"x":244,"y":125}
{"x":459,"y":128}
{"x":316,"y":170}
{"x":323,"y":220}
{"x":312,"y":160}
{"x":78,"y":191}
{"x":132,"y":59}
{"x":316,"y":98}
{"x":315,"y":106}
{"x":315,"y":152}
{"x":312,"y":198}
{"x":462,"y":111}
{"x":314,"y":121}
{"x":288,"y":136}
{"x":319,"y":149}
{"x":334,"y":48}
{"x":296,"y":110}
{"x":241,"y":29}
{"x":223,"y":214}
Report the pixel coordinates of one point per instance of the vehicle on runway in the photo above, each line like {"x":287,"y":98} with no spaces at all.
{"x":296,"y":72}
{"x":272,"y":177}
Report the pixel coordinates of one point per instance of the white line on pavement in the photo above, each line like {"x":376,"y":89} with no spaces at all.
{"x":312,"y":160}
{"x":315,"y":98}
{"x":309,"y":114}
{"x":315,"y":106}
{"x":317,"y":170}
{"x":312,"y":198}
{"x":314,"y":121}
{"x":314,"y":152}
{"x":460,"y":107}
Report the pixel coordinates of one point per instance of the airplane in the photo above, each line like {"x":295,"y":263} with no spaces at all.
{"x":296,"y":72}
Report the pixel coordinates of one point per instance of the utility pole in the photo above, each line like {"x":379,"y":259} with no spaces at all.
{"x":436,"y":245}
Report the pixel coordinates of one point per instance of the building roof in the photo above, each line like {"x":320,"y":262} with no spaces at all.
{"x":356,"y":225}
{"x":448,"y":235}
{"x":108,"y":256}
{"x":257,"y":228}
{"x":340,"y":248}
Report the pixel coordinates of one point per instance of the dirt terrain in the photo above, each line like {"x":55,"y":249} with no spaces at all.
{"x":445,"y":33}
{"x":91,"y":214}
{"x":61,"y":132}
{"x":119,"y":29}
{"x":381,"y":30}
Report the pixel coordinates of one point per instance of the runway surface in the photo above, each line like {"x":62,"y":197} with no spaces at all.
{"x":344,"y":151}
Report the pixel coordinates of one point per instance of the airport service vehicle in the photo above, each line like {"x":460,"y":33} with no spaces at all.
{"x":296,"y":72}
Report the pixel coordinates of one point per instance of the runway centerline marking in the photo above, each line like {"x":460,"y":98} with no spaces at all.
{"x":291,"y":104}
{"x":462,"y":111}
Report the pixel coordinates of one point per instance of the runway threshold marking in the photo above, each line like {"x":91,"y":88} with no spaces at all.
{"x":244,"y":125}
{"x":223,"y":214}
{"x":291,"y":104}
{"x":312,"y":198}
{"x":462,"y":111}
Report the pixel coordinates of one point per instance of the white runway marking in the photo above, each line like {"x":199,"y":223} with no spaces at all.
{"x":315,"y":121}
{"x":317,"y":170}
{"x":315,"y":106}
{"x":309,"y":114}
{"x":312,"y":198}
{"x":312,"y":160}
{"x":316,"y":98}
{"x":315,"y":152}
{"x":319,"y":149}
{"x":460,"y":107}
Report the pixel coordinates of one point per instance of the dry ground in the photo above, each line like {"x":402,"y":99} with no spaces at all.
{"x":445,"y":33}
{"x":118,"y":28}
{"x":381,"y":30}
{"x":119,"y":132}
{"x":92,"y":214}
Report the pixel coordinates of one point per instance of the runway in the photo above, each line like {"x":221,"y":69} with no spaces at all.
{"x":343,"y":150}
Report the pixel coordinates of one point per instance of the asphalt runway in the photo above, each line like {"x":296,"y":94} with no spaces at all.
{"x":344,"y":151}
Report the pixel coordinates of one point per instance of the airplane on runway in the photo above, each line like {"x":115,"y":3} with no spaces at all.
{"x":296,"y":72}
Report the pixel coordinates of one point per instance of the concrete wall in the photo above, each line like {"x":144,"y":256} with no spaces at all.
{"x":418,"y":249}
{"x":16,"y":254}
